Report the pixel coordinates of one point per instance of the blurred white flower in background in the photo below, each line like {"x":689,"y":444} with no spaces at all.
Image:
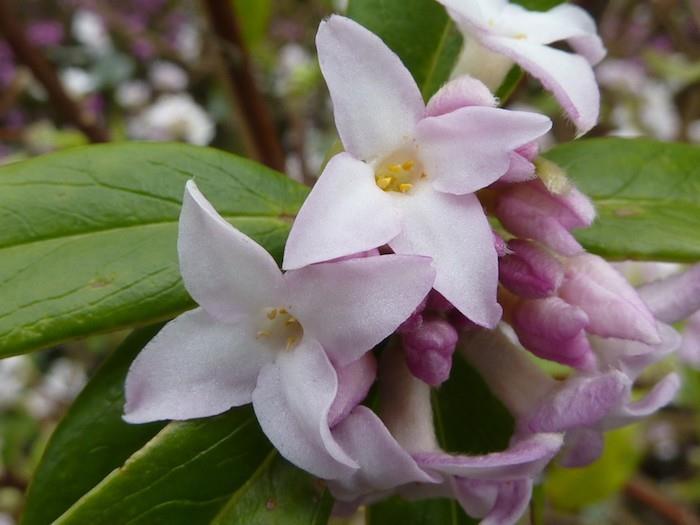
{"x":15,"y":373}
{"x":133,"y":94}
{"x":78,"y":82}
{"x":89,"y":29}
{"x":6,"y":519}
{"x":58,"y":387}
{"x":166,"y":76}
{"x":647,"y":107}
{"x":173,"y":117}
{"x":293,"y":62}
{"x":188,"y":42}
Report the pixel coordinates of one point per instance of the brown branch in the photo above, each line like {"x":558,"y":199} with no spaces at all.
{"x":262,"y":135}
{"x":44,"y":72}
{"x":651,"y":497}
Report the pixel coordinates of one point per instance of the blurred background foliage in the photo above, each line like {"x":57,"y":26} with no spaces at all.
{"x":155,"y":70}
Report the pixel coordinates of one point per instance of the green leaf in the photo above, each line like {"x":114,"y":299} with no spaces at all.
{"x":184,"y":475}
{"x":429,"y":512}
{"x":469,"y":419}
{"x":88,"y":241}
{"x":419,"y":31}
{"x":509,"y":84}
{"x":91,"y":440}
{"x":647,"y":194}
{"x":539,"y":5}
{"x":278,"y":494}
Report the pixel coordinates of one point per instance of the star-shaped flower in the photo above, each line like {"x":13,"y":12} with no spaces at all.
{"x":409,"y":171}
{"x":525,"y":37}
{"x":271,"y":338}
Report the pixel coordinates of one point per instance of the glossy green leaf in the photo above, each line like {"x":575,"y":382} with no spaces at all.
{"x":468,"y":417}
{"x":88,"y":241}
{"x":419,"y":31}
{"x":184,"y":475}
{"x":91,"y":440}
{"x":430,"y":512}
{"x":647,"y":194}
{"x":278,"y":494}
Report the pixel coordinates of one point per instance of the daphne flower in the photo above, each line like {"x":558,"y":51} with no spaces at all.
{"x":270,"y":338}
{"x":525,"y":37}
{"x":399,"y":453}
{"x":409,"y":172}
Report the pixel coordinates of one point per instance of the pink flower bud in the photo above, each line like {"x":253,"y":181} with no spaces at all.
{"x":429,"y":350}
{"x":613,"y":307}
{"x":552,"y":329}
{"x":529,"y":271}
{"x":529,"y":210}
{"x":521,"y":168}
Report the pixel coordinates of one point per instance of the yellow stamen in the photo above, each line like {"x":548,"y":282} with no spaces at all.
{"x":395,"y":168}
{"x":272,"y":313}
{"x":290,"y":341}
{"x":403,"y":188}
{"x":283,"y":311}
{"x":261,"y":334}
{"x":408,"y":165}
{"x":384,"y":182}
{"x":290,"y":321}
{"x":521,"y":36}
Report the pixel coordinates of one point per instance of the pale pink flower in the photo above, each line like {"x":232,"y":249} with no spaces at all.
{"x":271,"y":338}
{"x":409,"y":171}
{"x":525,"y":37}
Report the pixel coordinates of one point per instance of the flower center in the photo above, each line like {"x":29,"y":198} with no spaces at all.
{"x":399,"y":172}
{"x":280,"y":328}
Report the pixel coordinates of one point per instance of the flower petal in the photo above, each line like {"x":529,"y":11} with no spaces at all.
{"x":471,"y":14}
{"x":511,"y":503}
{"x":568,"y":76}
{"x":583,"y":446}
{"x":553,"y":329}
{"x":350,"y":306}
{"x":564,"y":22}
{"x":661,"y":395}
{"x":524,"y":458}
{"x":225,"y":271}
{"x":632,"y":357}
{"x":453,"y":230}
{"x":376,"y":102}
{"x":384,"y":465}
{"x":470,"y":148}
{"x":674,"y":298}
{"x":195,"y":367}
{"x":580,"y":401}
{"x":346,"y":213}
{"x":613,"y":307}
{"x":292,"y":400}
{"x":354,"y":381}
{"x":458,"y":93}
